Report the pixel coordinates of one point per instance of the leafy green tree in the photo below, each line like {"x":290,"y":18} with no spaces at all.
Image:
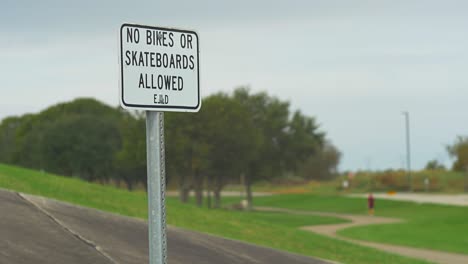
{"x":56,"y":139}
{"x":232,"y":137}
{"x":304,"y":141}
{"x":186,"y":152}
{"x":8,"y":128}
{"x":434,"y":165}
{"x":27,"y":139}
{"x":283,"y":143}
{"x":253,"y":135}
{"x":323,"y":164}
{"x":459,"y":151}
{"x":270,"y":116}
{"x":130,"y":160}
{"x":81,"y":146}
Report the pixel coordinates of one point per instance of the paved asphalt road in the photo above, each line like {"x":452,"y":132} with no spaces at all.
{"x":38,"y":230}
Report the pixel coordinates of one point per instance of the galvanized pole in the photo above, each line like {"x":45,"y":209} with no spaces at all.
{"x":408,"y":151}
{"x":156,"y":187}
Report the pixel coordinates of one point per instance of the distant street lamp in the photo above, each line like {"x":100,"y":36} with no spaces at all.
{"x":408,"y":151}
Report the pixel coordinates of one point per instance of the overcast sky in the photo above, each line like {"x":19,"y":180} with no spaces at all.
{"x":354,"y":65}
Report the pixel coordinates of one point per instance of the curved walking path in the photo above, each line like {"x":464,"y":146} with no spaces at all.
{"x":360,"y":220}
{"x":446,"y":199}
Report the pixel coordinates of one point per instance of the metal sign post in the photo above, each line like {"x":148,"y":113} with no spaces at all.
{"x":156,"y":187}
{"x":159,"y":71}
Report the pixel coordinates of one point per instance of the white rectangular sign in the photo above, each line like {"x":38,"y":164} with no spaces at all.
{"x":159,"y":69}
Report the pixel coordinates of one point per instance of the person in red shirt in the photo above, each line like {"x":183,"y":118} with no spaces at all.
{"x":370,"y":204}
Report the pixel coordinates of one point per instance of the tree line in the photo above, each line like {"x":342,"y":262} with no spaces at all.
{"x":241,"y":135}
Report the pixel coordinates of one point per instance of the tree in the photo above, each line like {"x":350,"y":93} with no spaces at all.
{"x":130,"y":160}
{"x":186,"y":152}
{"x":81,"y":146}
{"x":8,"y":128}
{"x":323,"y":164}
{"x":283,"y":143}
{"x":304,"y":141}
{"x":232,"y":137}
{"x":253,"y":135}
{"x":270,"y":117}
{"x":459,"y":151}
{"x":434,"y":165}
{"x":57,"y":139}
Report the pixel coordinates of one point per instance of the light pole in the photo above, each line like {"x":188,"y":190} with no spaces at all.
{"x":408,"y":151}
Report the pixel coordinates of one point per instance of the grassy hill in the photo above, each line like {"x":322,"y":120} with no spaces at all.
{"x":268,"y":229}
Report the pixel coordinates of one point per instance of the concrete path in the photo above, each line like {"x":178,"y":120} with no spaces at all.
{"x":446,"y":199}
{"x":223,"y":194}
{"x":360,"y":220}
{"x":38,"y":230}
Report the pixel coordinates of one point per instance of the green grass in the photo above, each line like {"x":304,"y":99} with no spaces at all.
{"x":268,"y":229}
{"x":275,"y":230}
{"x":74,"y":191}
{"x":427,"y":225}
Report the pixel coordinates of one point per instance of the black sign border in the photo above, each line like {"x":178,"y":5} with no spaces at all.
{"x":156,"y":107}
